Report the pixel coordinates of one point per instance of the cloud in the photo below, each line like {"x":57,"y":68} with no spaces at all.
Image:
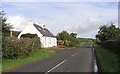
{"x":18,"y":22}
{"x":81,"y":17}
{"x":81,"y":28}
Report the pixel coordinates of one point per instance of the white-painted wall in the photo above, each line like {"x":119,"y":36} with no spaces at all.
{"x":48,"y":41}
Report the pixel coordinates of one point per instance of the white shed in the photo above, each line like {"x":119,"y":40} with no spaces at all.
{"x":47,"y":39}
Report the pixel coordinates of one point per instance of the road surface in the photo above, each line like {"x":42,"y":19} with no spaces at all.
{"x":71,"y":60}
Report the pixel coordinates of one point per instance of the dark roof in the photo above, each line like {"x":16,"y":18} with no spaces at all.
{"x":43,"y":31}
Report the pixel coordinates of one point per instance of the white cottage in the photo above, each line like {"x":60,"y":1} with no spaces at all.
{"x":46,"y":37}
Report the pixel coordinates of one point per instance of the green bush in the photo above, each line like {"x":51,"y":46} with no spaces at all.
{"x":67,"y":43}
{"x":71,"y":44}
{"x":112,"y":45}
{"x":13,"y":47}
{"x":29,"y":35}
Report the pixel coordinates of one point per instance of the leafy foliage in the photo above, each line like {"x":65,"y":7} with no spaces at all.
{"x":5,"y":26}
{"x":74,"y":35}
{"x":66,"y":39}
{"x":108,"y":32}
{"x":13,"y":47}
{"x":29,"y":35}
{"x":15,"y":33}
{"x":112,"y":45}
{"x":109,"y":37}
{"x":64,"y":35}
{"x":69,"y":40}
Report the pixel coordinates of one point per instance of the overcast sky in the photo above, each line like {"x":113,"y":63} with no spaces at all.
{"x":84,"y":18}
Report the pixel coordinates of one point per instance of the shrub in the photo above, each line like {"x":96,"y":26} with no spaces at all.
{"x":112,"y":45}
{"x":13,"y":47}
{"x":66,"y":43}
{"x":29,"y":35}
{"x":71,"y":44}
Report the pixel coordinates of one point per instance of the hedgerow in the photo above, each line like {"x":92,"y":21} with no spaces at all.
{"x":13,"y":47}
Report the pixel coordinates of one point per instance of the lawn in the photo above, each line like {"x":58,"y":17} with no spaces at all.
{"x":40,"y":54}
{"x":108,"y":61}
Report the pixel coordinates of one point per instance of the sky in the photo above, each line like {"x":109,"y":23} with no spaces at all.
{"x":83,"y":18}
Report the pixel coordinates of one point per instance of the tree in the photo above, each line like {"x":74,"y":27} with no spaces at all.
{"x":74,"y":35}
{"x":5,"y":26}
{"x":4,"y":30}
{"x":67,"y":39}
{"x":64,"y":35}
{"x":109,"y":37}
{"x":108,"y":32}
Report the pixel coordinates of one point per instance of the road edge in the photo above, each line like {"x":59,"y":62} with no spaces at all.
{"x":95,"y":68}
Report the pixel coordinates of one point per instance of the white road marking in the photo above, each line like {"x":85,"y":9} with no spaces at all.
{"x":56,"y":66}
{"x":95,"y":64}
{"x":96,"y":68}
{"x":74,"y":54}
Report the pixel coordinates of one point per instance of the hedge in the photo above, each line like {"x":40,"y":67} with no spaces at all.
{"x":112,"y":45}
{"x":28,"y":35}
{"x":13,"y":47}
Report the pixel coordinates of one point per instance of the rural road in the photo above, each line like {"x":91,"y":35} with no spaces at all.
{"x":71,"y":60}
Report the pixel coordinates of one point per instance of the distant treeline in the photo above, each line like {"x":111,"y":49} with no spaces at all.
{"x":70,"y":40}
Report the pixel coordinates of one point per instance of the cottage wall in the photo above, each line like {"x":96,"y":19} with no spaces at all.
{"x":48,"y":41}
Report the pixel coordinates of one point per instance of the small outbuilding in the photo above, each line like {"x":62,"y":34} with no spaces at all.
{"x":47,"y":39}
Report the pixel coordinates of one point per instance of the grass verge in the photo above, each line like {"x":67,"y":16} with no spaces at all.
{"x":37,"y":55}
{"x":81,"y":43}
{"x":108,"y":61}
